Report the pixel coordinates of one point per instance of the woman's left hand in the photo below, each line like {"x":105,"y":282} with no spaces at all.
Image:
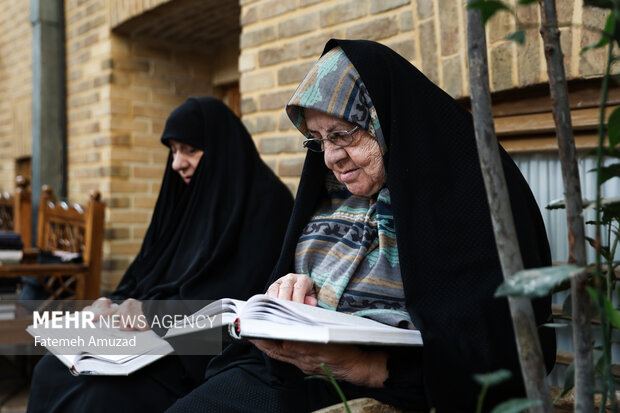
{"x":131,"y":315}
{"x":294,"y":287}
{"x":345,"y":362}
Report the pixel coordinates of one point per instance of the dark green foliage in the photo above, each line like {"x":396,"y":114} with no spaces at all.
{"x":604,"y":4}
{"x":569,"y":381}
{"x":518,"y":36}
{"x":488,"y":8}
{"x":613,"y":128}
{"x":515,"y":405}
{"x":536,"y":282}
{"x":610,"y":32}
{"x":607,"y":152}
{"x":611,"y":171}
{"x":487,"y":380}
{"x":494,"y":378}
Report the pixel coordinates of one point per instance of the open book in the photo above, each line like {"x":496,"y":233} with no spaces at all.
{"x":83,"y":357}
{"x":271,"y":318}
{"x":259,"y":317}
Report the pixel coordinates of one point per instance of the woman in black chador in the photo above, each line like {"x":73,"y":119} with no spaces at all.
{"x":390,"y":222}
{"x":216,"y":232}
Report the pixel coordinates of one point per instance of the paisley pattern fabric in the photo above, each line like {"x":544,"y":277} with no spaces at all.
{"x":349,"y":250}
{"x":349,"y":246}
{"x":334,"y":86}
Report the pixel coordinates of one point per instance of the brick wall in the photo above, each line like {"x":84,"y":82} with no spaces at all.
{"x":149,"y":81}
{"x":121,"y":90}
{"x":121,"y":86}
{"x":89,"y":112}
{"x":281,"y":39}
{"x":15,"y":88}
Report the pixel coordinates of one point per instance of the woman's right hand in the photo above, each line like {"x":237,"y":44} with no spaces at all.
{"x":294,"y":287}
{"x":102,"y":307}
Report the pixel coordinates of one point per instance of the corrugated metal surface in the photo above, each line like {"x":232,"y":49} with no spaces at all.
{"x":544,"y":175}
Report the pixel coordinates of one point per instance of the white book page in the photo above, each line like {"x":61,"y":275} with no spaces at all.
{"x":262,"y":307}
{"x":226,"y":308}
{"x":95,"y":367}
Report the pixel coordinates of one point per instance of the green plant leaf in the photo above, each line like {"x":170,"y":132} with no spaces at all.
{"x":515,"y":405}
{"x":611,"y":211}
{"x":612,"y":313}
{"x":494,"y":378}
{"x":569,"y":381}
{"x":567,"y":306}
{"x":556,"y":204}
{"x":605,"y":4}
{"x":336,"y":386}
{"x":598,"y":360}
{"x":607,"y":152}
{"x":609,"y":172}
{"x":561,"y":203}
{"x":519,"y":37}
{"x":592,"y":292}
{"x":554,"y":325}
{"x":526,"y":2}
{"x":607,"y":33}
{"x":488,"y":8}
{"x":536,"y":282}
{"x":603,"y":249}
{"x":613,"y":128}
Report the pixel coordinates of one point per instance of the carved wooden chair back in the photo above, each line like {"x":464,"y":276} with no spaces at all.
{"x":75,"y":229}
{"x":6,"y":211}
{"x":15,"y":210}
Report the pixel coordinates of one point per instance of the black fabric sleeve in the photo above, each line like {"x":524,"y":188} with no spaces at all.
{"x":404,"y":365}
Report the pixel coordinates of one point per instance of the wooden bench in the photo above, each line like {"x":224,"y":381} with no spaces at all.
{"x":69,"y":228}
{"x":6,"y":211}
{"x":15,"y":211}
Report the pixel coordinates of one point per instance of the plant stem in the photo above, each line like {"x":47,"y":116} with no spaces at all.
{"x":609,"y":272}
{"x":336,"y":386}
{"x":483,"y":393}
{"x":608,"y":379}
{"x":582,"y":329}
{"x":522,"y":314}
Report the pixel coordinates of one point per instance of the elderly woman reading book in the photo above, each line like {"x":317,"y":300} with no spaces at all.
{"x":216,"y":231}
{"x":390,"y":222}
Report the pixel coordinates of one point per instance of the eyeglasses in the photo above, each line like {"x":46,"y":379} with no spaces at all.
{"x":340,"y":138}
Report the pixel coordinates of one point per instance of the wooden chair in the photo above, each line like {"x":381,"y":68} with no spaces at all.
{"x":6,"y":212}
{"x":68,"y":228}
{"x":15,"y":210}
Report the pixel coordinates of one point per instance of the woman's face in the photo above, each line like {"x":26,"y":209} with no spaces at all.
{"x":185,"y":159}
{"x":360,"y":165}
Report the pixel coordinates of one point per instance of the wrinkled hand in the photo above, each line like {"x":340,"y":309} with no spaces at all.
{"x":131,"y":315}
{"x":350,"y":363}
{"x":345,"y":362}
{"x":128,"y":314}
{"x":102,"y":307}
{"x":294,"y":287}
